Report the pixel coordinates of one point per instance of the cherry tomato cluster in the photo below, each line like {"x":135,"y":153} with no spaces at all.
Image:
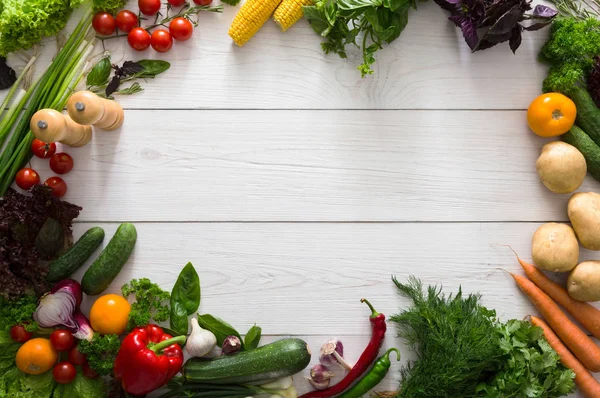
{"x":64,"y":372}
{"x":60,"y":163}
{"x":139,"y":38}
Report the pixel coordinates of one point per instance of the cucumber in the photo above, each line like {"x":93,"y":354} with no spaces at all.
{"x":111,"y":261}
{"x":590,"y":150}
{"x":272,"y":361}
{"x":76,"y":256}
{"x":588,"y":114}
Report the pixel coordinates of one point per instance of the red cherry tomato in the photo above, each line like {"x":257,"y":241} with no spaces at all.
{"x":89,"y":372}
{"x":58,"y":185}
{"x":161,"y":41}
{"x":139,"y":39}
{"x":104,"y":23}
{"x":181,"y":29}
{"x":76,"y":357}
{"x":149,"y":7}
{"x":19,"y":334}
{"x":43,"y":150}
{"x":126,"y":20}
{"x":64,"y":372}
{"x":61,"y":163}
{"x":176,"y":3}
{"x":203,"y":2}
{"x":62,"y":340}
{"x":26,"y":178}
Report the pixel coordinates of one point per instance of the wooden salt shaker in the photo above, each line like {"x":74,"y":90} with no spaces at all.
{"x":50,"y":125}
{"x":85,"y":107}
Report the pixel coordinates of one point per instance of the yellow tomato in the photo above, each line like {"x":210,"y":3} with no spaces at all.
{"x":36,"y":356}
{"x":109,"y":314}
{"x":551,"y":114}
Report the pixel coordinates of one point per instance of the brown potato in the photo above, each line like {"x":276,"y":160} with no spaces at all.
{"x":584,"y":281}
{"x":561,"y":167}
{"x":554,"y":247}
{"x":584,"y":213}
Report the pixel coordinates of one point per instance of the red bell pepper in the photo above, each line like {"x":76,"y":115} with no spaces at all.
{"x":148,"y":359}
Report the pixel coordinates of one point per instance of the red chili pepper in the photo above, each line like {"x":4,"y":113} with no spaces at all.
{"x":148,"y":359}
{"x":369,"y":355}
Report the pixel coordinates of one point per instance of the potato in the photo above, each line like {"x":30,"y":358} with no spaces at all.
{"x":584,"y":213}
{"x":561,"y":167}
{"x":554,"y":247}
{"x":584,"y":281}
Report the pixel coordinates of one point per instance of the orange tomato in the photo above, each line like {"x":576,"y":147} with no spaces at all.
{"x":551,"y":114}
{"x":109,"y":314}
{"x":36,"y":356}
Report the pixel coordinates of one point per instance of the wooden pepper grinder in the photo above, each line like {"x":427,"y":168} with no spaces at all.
{"x":49,"y":125}
{"x":85,"y":107}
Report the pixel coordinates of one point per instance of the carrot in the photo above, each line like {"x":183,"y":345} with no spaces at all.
{"x":578,"y":342}
{"x":589,"y":387}
{"x":587,"y":315}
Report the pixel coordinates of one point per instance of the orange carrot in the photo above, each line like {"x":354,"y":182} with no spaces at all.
{"x":587,"y":315}
{"x":589,"y":387}
{"x":578,"y":342}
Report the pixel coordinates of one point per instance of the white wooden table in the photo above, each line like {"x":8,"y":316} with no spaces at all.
{"x":295,"y":187}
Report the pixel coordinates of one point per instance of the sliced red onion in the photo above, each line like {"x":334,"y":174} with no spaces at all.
{"x":84,"y":330}
{"x":70,"y":285}
{"x":332,"y":353}
{"x":231,"y":345}
{"x":57,"y":307}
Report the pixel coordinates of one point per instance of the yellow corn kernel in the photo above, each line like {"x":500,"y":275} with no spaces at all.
{"x":252,"y":15}
{"x":289,"y":12}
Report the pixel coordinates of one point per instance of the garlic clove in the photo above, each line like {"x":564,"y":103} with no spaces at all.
{"x":332,"y":353}
{"x":231,"y":345}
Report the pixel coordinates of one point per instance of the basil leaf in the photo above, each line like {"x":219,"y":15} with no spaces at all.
{"x":316,"y":18}
{"x":152,"y":68}
{"x":179,"y":318}
{"x":218,"y":327}
{"x":252,"y":338}
{"x":187,"y":289}
{"x":50,"y":239}
{"x":99,"y":74}
{"x":357,"y":4}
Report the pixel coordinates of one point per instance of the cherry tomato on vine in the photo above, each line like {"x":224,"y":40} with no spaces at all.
{"x":104,"y":23}
{"x":64,"y":372}
{"x":76,"y":357}
{"x":161,"y":41}
{"x":139,"y":39}
{"x":62,"y":340}
{"x":26,"y":178}
{"x":203,"y":2}
{"x":149,"y":7}
{"x":89,"y":372}
{"x":19,"y":334}
{"x":126,"y":20}
{"x":176,"y":3}
{"x":181,"y":29}
{"x":41,"y":149}
{"x":58,"y":185}
{"x":61,"y":163}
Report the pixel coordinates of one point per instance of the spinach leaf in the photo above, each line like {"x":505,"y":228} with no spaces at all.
{"x":99,"y":74}
{"x":185,"y":298}
{"x":218,"y":327}
{"x":252,"y":338}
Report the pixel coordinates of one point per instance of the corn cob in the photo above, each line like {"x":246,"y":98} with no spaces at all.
{"x":252,"y":15}
{"x":289,"y":12}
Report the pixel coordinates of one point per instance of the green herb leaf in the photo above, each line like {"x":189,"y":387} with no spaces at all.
{"x":81,"y":387}
{"x":18,"y":312}
{"x":152,"y":68}
{"x":231,"y":2}
{"x":50,"y":239}
{"x":101,"y":352}
{"x":8,"y":350}
{"x":133,"y":89}
{"x":218,"y":327}
{"x":148,"y":305}
{"x":179,"y":318}
{"x":185,"y":298}
{"x":252,"y":338}
{"x":100,"y":73}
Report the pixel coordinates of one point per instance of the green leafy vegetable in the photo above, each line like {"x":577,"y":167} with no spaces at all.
{"x":50,"y":239}
{"x":18,"y":312}
{"x":8,"y":350}
{"x":218,"y":327}
{"x":530,"y":367}
{"x":252,"y":338}
{"x":148,"y":305}
{"x":101,"y":352}
{"x":100,"y":73}
{"x":24,"y":23}
{"x":15,"y":384}
{"x":185,"y":298}
{"x":152,"y":68}
{"x":231,"y":2}
{"x":110,"y":6}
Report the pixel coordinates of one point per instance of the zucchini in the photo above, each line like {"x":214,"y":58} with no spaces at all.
{"x":588,"y":114}
{"x":590,"y":150}
{"x":76,"y":256}
{"x":111,"y":261}
{"x":272,"y":361}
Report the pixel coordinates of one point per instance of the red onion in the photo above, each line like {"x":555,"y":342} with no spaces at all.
{"x":73,"y":286}
{"x":57,"y":307}
{"x":83,"y":331}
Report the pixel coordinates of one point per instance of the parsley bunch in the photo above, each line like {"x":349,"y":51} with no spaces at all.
{"x":148,"y":305}
{"x":101,"y":352}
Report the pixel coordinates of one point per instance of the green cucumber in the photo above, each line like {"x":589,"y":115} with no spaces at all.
{"x":111,"y":261}
{"x":588,"y":114}
{"x":76,"y":256}
{"x":272,"y":361}
{"x":589,"y":149}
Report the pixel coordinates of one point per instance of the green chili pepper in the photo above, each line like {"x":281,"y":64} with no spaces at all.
{"x":373,"y":378}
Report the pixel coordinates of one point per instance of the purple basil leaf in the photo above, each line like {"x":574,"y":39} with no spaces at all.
{"x":457,"y":19}
{"x":544,"y":11}
{"x":448,"y":5}
{"x":131,"y":68}
{"x":537,"y":25}
{"x":506,"y":22}
{"x":484,"y":45}
{"x":469,"y":33}
{"x":113,"y":85}
{"x":515,"y":39}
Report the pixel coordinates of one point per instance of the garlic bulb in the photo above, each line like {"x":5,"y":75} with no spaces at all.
{"x":201,"y":341}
